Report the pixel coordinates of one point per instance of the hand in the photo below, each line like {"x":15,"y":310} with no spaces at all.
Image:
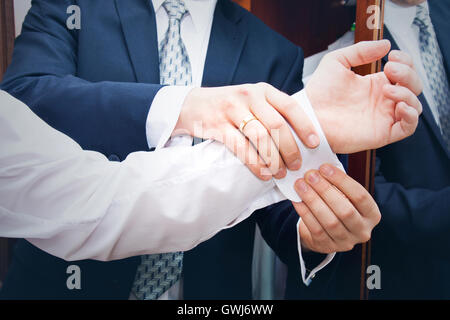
{"x":337,"y":212}
{"x":267,"y":145}
{"x":365,"y":112}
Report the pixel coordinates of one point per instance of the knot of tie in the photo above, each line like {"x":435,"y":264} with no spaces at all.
{"x":422,"y":19}
{"x":175,"y":9}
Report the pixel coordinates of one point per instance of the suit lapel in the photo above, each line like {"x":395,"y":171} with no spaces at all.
{"x":228,"y":36}
{"x":139,"y":28}
{"x":388,"y":36}
{"x":440,"y":13}
{"x":427,"y":115}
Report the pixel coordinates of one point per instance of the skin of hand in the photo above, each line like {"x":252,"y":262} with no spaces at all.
{"x":266,"y":146}
{"x":365,"y":112}
{"x":336,"y":211}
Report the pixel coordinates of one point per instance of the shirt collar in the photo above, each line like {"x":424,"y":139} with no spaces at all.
{"x":199,"y":10}
{"x":399,"y":19}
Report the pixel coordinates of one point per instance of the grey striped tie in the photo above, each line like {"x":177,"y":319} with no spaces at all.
{"x":158,"y":272}
{"x":434,"y":67}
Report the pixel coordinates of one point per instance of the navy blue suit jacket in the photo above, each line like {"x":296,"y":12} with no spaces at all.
{"x":412,"y":188}
{"x":96,"y":85}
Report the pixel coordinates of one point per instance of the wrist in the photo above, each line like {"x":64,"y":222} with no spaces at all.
{"x":322,"y":116}
{"x":184,"y":125}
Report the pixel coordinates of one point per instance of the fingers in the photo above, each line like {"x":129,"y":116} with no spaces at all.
{"x":280,"y":133}
{"x":407,"y":111}
{"x":402,"y":94}
{"x":257,"y":134}
{"x":327,"y":219}
{"x":358,"y":196}
{"x":267,"y":150}
{"x":338,"y":203}
{"x":361,"y":53}
{"x":294,"y":114}
{"x":244,"y":151}
{"x":312,"y":234}
{"x":408,"y":119}
{"x":404,"y":75}
{"x":401,"y":57}
{"x":336,"y":211}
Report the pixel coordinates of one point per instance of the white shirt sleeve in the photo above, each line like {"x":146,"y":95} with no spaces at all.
{"x":77,"y":205}
{"x":163,"y":115}
{"x":312,"y":158}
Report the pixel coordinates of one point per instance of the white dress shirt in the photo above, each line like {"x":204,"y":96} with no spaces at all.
{"x":77,"y":205}
{"x":399,"y":21}
{"x":164,"y":112}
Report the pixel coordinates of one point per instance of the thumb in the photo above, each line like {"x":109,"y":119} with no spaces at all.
{"x":363,"y":52}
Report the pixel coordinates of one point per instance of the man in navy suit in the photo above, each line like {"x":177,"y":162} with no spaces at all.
{"x":96,"y":84}
{"x":412,"y":187}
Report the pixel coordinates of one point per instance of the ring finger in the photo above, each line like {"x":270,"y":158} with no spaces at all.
{"x":280,"y":132}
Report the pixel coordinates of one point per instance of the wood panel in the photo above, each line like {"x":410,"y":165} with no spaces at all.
{"x":7,"y":35}
{"x":247,"y":4}
{"x":362,"y":164}
{"x":313,"y":25}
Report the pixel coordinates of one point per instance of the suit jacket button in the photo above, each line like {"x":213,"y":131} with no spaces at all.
{"x":114,"y":157}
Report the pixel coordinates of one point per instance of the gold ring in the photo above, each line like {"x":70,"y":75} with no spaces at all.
{"x":246,"y":121}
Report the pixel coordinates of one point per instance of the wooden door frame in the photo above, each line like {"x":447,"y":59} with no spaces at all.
{"x":362,"y":164}
{"x":7,"y":36}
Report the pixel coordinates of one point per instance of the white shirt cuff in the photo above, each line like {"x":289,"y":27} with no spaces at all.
{"x":312,"y":159}
{"x":307,"y":279}
{"x":163,"y":115}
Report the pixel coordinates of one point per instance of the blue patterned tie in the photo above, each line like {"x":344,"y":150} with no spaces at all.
{"x":434,"y":67}
{"x":158,"y":272}
{"x":174,"y":65}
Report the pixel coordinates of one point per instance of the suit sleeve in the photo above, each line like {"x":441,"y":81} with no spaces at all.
{"x":108,"y":117}
{"x":416,"y":215}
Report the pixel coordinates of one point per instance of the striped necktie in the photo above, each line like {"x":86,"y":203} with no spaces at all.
{"x":158,"y":272}
{"x":433,"y":63}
